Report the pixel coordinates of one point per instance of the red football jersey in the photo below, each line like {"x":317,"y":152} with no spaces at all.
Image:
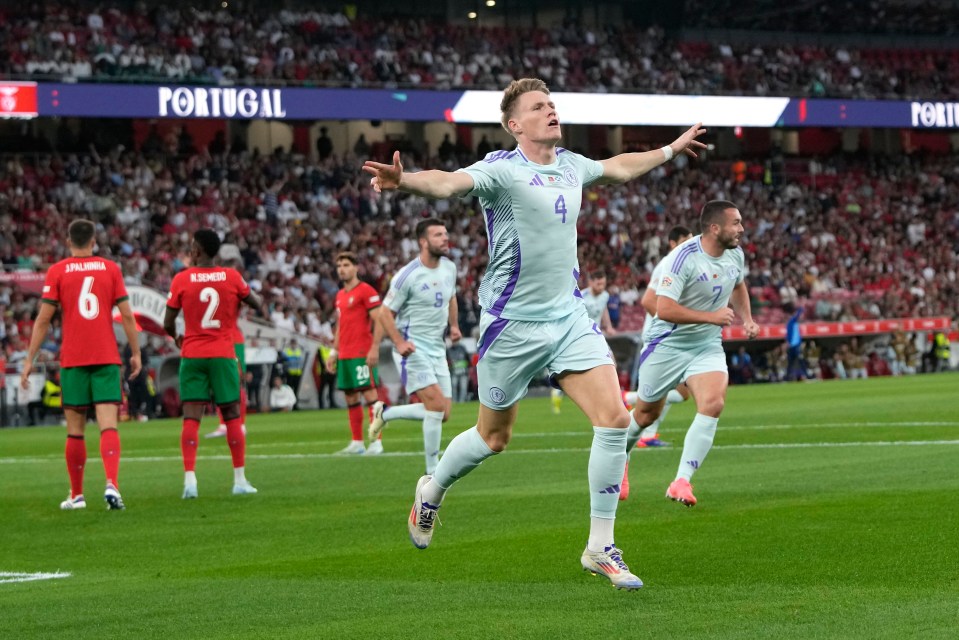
{"x":354,"y":306}
{"x":210,"y":298}
{"x":86,"y":290}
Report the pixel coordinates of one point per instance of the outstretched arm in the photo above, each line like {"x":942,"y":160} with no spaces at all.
{"x":429,"y":184}
{"x":627,"y":166}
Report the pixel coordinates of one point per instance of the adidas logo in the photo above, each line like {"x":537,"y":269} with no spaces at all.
{"x":611,"y":489}
{"x":425,"y":287}
{"x":536,"y":181}
{"x":703,"y":277}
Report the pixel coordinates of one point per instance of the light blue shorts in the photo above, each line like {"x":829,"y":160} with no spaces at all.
{"x":514,"y":352}
{"x":418,"y":371}
{"x":662,"y":367}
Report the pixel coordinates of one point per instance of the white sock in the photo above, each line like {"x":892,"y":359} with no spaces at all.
{"x":432,"y":434}
{"x":674,"y":397}
{"x":239,"y":475}
{"x":189,"y":479}
{"x":600,"y":533}
{"x":632,"y":433}
{"x":464,"y":453}
{"x":405,"y":412}
{"x":631,"y":397}
{"x":607,"y":462}
{"x":699,"y":440}
{"x":653,"y":429}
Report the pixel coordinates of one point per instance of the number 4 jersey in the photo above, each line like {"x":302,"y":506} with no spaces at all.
{"x":531,"y":211}
{"x":86,"y":290}
{"x":210,"y":299}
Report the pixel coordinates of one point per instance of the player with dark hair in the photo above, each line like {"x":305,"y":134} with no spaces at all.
{"x":356,"y":349}
{"x":532,"y":319}
{"x":701,"y":278}
{"x":209,"y":296}
{"x":86,"y":287}
{"x":420,"y":304}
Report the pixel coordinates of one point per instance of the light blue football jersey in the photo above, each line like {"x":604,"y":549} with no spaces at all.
{"x":595,"y":305}
{"x":653,"y":283}
{"x":421,"y":299}
{"x":531,"y":211}
{"x":697,"y":281}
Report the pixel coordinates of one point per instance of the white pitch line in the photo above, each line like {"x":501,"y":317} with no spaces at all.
{"x":13,"y":576}
{"x":406,"y":454}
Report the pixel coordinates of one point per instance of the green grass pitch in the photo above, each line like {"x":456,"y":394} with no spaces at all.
{"x":826,"y":510}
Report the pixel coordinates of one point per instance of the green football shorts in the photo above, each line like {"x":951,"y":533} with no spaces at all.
{"x":200,"y":376}
{"x":91,"y":384}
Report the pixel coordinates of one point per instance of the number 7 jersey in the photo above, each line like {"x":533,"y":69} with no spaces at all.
{"x":697,"y":281}
{"x":210,"y":299}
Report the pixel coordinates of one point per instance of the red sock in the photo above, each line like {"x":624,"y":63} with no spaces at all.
{"x":110,"y":452}
{"x":189,"y":443}
{"x":356,"y":420}
{"x":76,"y":454}
{"x":237,"y":441}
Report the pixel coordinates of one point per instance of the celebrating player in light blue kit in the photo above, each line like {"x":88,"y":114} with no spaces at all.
{"x":532,"y":318}
{"x":422,"y":297}
{"x":702,"y":277}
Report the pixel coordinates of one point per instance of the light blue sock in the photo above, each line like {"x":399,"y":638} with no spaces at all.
{"x":607,"y":462}
{"x":699,"y":440}
{"x":432,"y":434}
{"x":463,"y":454}
{"x":405,"y":412}
{"x":653,"y":429}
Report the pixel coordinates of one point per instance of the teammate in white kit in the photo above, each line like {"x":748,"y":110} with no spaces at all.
{"x":701,"y":278}
{"x":422,"y":297}
{"x":532,"y":318}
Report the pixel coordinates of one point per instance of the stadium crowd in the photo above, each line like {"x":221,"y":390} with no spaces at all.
{"x":881,"y":242}
{"x":184,"y":44}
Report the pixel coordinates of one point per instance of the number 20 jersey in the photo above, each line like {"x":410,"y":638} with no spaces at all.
{"x":210,"y":299}
{"x":86,"y":290}
{"x":531,"y":211}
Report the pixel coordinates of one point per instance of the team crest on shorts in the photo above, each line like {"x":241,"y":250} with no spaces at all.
{"x":497,"y":395}
{"x":647,"y":390}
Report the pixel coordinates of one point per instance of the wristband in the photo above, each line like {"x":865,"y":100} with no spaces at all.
{"x":668,"y":152}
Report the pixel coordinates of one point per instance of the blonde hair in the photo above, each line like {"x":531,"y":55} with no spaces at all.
{"x":512,"y":93}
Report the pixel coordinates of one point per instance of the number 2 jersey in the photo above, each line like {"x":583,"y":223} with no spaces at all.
{"x":531,"y":211}
{"x":697,"y":281}
{"x":86,"y":290}
{"x":210,"y":299}
{"x":421,"y":299}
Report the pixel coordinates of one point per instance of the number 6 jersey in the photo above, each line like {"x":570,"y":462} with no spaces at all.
{"x":210,"y":299}
{"x":421,"y":299}
{"x":86,"y":290}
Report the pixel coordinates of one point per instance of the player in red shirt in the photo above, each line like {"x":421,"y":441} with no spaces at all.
{"x":356,"y":349}
{"x":209,"y":297}
{"x":86,"y":288}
